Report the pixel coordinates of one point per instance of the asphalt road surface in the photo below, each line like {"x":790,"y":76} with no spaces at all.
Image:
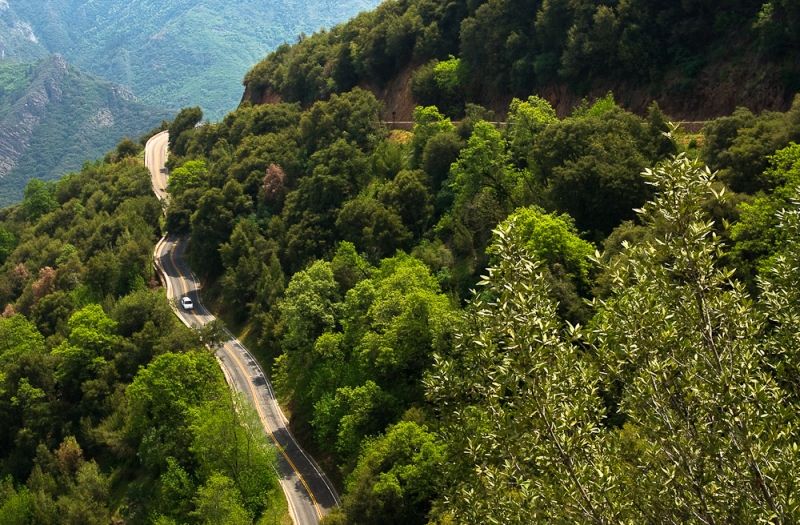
{"x":308,"y":491}
{"x":155,"y":156}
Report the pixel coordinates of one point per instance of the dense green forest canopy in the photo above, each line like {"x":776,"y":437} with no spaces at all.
{"x":482,"y":51}
{"x":588,"y":318}
{"x":169,"y":53}
{"x":112,"y":410}
{"x":427,"y":297}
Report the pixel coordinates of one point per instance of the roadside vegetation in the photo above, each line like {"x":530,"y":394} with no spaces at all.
{"x":481,"y":52}
{"x":435,"y":315}
{"x":588,"y":318}
{"x":112,"y":410}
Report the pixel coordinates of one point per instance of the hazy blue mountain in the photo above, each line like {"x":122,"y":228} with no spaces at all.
{"x":17,"y":39}
{"x":170,"y":53}
{"x":53,"y":117}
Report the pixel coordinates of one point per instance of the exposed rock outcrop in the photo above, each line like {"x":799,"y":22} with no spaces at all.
{"x":18,"y":125}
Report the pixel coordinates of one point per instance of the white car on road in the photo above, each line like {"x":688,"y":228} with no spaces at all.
{"x":186,"y":303}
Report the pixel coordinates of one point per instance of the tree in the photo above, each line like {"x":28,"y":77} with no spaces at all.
{"x":134,"y":311}
{"x":428,"y":122}
{"x":408,"y":194}
{"x":372,"y":227}
{"x":451,"y":75}
{"x":213,"y":224}
{"x":87,"y":502}
{"x":739,"y":146}
{"x":242,"y":258}
{"x":125,"y":148}
{"x":341,"y":420}
{"x":440,"y":152}
{"x":38,"y":199}
{"x":778,"y":283}
{"x":344,"y":160}
{"x":18,"y":337}
{"x":553,"y":240}
{"x":352,"y":367}
{"x":16,"y":506}
{"x":175,"y":490}
{"x":269,"y":290}
{"x":161,"y":399}
{"x":520,"y":405}
{"x":309,"y":309}
{"x":525,"y":120}
{"x":273,"y":189}
{"x":311,"y":210}
{"x":687,"y":348}
{"x":181,"y":129}
{"x":355,"y":113}
{"x":442,"y":83}
{"x":7,"y":244}
{"x":348,"y":267}
{"x":251,"y":159}
{"x":590,"y":167}
{"x":180,"y":210}
{"x":396,"y":477}
{"x":52,"y":312}
{"x":229,"y":439}
{"x":102,"y":273}
{"x":309,"y":305}
{"x":756,"y":233}
{"x":91,"y":343}
{"x":483,"y":165}
{"x":191,"y":174}
{"x":219,"y":503}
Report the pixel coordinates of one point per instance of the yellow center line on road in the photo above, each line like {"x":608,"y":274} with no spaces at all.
{"x":172,"y":260}
{"x":277,"y":444}
{"x":252,"y":392}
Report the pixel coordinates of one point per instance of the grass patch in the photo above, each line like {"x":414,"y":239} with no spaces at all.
{"x":690,"y":143}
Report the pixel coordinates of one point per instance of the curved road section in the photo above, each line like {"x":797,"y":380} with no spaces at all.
{"x":308,"y":491}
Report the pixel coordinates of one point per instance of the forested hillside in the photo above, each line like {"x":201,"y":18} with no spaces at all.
{"x":54,"y":117}
{"x":172,"y":53}
{"x":697,"y":59}
{"x":112,"y":410}
{"x":446,"y":338}
{"x":582,"y":315}
{"x":165,"y":54}
{"x":18,"y":41}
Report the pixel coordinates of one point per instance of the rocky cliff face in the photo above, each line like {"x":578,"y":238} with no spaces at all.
{"x":53,"y":117}
{"x":17,"y":127}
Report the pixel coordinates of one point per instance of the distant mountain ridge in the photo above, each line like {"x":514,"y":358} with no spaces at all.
{"x":53,"y":117}
{"x":18,"y":124}
{"x":17,"y":39}
{"x":174,"y":53}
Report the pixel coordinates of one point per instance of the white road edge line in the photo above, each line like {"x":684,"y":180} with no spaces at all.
{"x":234,"y":340}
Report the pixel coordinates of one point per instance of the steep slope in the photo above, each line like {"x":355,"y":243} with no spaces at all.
{"x":16,"y":37}
{"x":697,"y":59}
{"x":53,"y":117}
{"x":176,"y":53}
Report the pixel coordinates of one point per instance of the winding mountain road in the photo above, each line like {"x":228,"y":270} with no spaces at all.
{"x":308,"y":491}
